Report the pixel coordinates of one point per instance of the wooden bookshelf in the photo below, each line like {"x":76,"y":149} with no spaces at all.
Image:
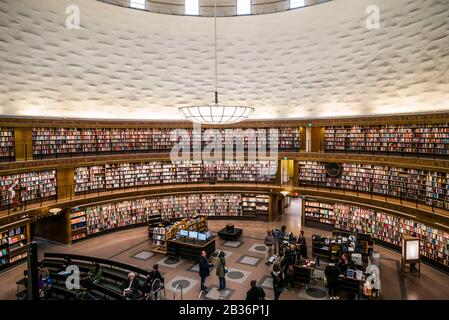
{"x":40,"y":185}
{"x":7,"y":144}
{"x":413,"y":139}
{"x":90,"y":220}
{"x":423,"y":186}
{"x":124,"y":175}
{"x":63,"y":142}
{"x":13,"y":247}
{"x":383,"y":226}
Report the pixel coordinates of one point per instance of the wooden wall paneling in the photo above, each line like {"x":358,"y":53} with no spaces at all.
{"x":317,"y":139}
{"x":23,"y":140}
{"x":55,"y":228}
{"x":65,"y":182}
{"x":295,"y":181}
{"x":302,"y":138}
{"x":278,"y":179}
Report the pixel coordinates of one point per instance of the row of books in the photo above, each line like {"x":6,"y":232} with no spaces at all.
{"x":385,"y":227}
{"x":6,"y":142}
{"x":49,"y":141}
{"x":90,"y":220}
{"x":428,"y":187}
{"x":122,"y":175}
{"x":412,"y":138}
{"x":35,"y":186}
{"x":12,"y":246}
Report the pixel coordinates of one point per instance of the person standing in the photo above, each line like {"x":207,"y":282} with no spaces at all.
{"x":221,"y":270}
{"x":255,"y":293}
{"x":204,"y":270}
{"x":278,"y":281}
{"x":268,"y":241}
{"x":302,"y":245}
{"x":332,"y":273}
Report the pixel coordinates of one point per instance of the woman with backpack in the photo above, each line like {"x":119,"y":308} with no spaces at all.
{"x":221,"y":270}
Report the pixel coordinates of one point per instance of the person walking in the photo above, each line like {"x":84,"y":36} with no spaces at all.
{"x":204,"y":269}
{"x":221,"y":270}
{"x":278,"y":281}
{"x":269,"y":242}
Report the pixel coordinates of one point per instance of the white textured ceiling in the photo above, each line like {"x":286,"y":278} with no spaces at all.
{"x":313,"y":62}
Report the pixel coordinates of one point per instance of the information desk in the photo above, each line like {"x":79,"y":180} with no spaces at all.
{"x":230,"y":235}
{"x":189,"y":249}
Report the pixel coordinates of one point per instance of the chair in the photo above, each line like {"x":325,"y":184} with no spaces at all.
{"x":303,"y":274}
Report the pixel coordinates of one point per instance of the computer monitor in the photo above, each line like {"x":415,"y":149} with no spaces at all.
{"x":184,"y":233}
{"x":193,"y":234}
{"x":202,"y":236}
{"x":208,"y":235}
{"x":350,"y":273}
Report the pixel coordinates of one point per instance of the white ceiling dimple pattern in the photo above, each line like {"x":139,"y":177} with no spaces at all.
{"x":315,"y":62}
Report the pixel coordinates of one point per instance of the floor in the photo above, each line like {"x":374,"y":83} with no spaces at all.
{"x":245,"y":259}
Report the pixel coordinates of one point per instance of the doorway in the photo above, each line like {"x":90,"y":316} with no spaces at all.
{"x":287,"y":167}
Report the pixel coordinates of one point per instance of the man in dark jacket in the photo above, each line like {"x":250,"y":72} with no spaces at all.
{"x":204,"y":269}
{"x":255,"y":293}
{"x":332,"y":273}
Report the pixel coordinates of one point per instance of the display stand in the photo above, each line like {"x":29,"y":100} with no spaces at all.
{"x":410,"y":262}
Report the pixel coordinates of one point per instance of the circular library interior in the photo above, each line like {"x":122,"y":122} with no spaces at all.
{"x":224,"y":150}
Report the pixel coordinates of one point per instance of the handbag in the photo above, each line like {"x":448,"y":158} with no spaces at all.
{"x":325,"y":281}
{"x":225,"y":268}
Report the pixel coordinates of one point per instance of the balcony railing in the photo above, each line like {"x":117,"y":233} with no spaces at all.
{"x":227,"y":8}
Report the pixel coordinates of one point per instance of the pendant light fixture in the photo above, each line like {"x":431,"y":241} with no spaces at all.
{"x":215,"y":113}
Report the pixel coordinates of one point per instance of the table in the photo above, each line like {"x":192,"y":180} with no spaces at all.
{"x":230,"y":236}
{"x":180,"y":248}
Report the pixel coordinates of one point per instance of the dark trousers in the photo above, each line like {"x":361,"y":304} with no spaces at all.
{"x":277,"y":293}
{"x":332,"y":289}
{"x":222,"y":283}
{"x":203,"y":283}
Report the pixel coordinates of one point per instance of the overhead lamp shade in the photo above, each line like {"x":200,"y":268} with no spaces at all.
{"x":216,"y":114}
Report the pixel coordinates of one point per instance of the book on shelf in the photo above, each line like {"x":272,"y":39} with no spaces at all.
{"x":35,"y":187}
{"x":412,"y":138}
{"x":7,"y":143}
{"x":52,"y":141}
{"x":424,"y":186}
{"x":12,"y":242}
{"x":386,"y":227}
{"x":90,"y":220}
{"x":123,"y":175}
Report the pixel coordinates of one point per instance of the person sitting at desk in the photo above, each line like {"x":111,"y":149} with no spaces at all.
{"x":95,"y":274}
{"x":343,"y":265}
{"x":131,"y":286}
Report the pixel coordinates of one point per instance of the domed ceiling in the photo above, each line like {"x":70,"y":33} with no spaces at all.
{"x":317,"y":61}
